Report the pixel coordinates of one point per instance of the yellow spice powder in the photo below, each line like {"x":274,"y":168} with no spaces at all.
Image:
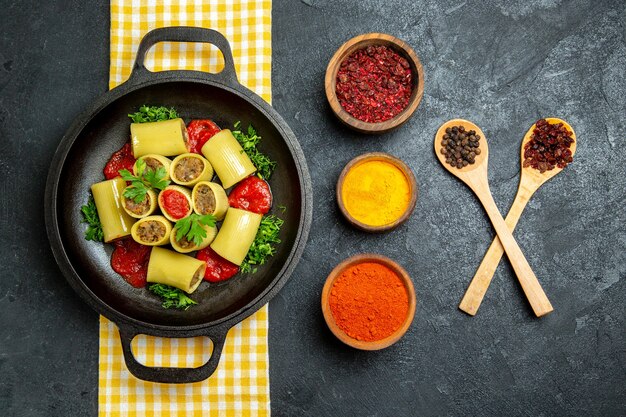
{"x":376,"y":193}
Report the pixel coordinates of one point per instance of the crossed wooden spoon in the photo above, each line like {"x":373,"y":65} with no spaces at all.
{"x":475,"y":177}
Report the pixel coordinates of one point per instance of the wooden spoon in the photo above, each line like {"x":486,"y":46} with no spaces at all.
{"x":530,"y":181}
{"x":475,"y":177}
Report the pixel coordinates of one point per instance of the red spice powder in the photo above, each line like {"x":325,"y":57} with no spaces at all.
{"x":369,"y":301}
{"x":374,"y":84}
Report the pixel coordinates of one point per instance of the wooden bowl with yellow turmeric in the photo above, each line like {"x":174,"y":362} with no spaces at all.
{"x":376,"y":192}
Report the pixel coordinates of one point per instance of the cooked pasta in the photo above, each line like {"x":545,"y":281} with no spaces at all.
{"x":236,"y":235}
{"x":107,"y":195}
{"x":175,"y":202}
{"x":152,"y":231}
{"x":209,"y":198}
{"x":228,"y":158}
{"x":185,"y":246}
{"x":175,"y":269}
{"x":141,"y":209}
{"x":154,"y":161}
{"x":189,"y":169}
{"x":166,"y":138}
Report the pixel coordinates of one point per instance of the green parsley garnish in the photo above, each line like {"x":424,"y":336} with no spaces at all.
{"x":144,"y":180}
{"x":264,"y":244}
{"x":191,"y":227}
{"x":90,"y":216}
{"x":172,"y":297}
{"x":153,"y":114}
{"x":249,"y":141}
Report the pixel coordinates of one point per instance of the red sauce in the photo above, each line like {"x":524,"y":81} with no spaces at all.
{"x":252,"y":194}
{"x":200,"y":131}
{"x":374,"y":84}
{"x":122,"y":159}
{"x":130,"y":260}
{"x":175,"y":203}
{"x":217,"y":268}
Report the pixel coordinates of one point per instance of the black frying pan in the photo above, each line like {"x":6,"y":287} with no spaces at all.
{"x":104,"y":128}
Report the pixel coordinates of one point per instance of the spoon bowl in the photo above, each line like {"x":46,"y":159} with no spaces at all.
{"x":481,"y":160}
{"x":475,"y":177}
{"x":532,"y":175}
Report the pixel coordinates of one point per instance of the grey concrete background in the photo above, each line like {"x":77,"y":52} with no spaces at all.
{"x":501,"y":64}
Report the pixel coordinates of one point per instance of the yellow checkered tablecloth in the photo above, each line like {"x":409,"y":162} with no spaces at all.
{"x":240,"y":385}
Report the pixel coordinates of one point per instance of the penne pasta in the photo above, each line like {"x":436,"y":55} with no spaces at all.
{"x":175,"y":269}
{"x":189,"y":169}
{"x":228,"y":158}
{"x":152,"y":231}
{"x":168,"y":137}
{"x":107,"y":195}
{"x":186,"y":246}
{"x":153,"y":162}
{"x":175,"y":202}
{"x":209,"y":198}
{"x":140,"y":210}
{"x":236,"y":235}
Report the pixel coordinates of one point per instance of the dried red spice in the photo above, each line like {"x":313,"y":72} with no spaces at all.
{"x":374,"y":84}
{"x":548,"y":146}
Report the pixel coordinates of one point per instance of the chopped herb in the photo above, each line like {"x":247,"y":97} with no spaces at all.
{"x":172,"y":297}
{"x":144,"y":180}
{"x":153,"y":114}
{"x":90,"y":216}
{"x":264,"y":244}
{"x":282,"y":208}
{"x":191,"y":227}
{"x":249,"y":141}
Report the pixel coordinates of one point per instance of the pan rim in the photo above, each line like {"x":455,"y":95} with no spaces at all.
{"x":59,"y":160}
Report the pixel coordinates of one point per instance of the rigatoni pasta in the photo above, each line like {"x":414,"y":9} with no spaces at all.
{"x":141,"y":209}
{"x":228,"y":158}
{"x":152,"y":231}
{"x":189,"y":168}
{"x":209,"y":198}
{"x":168,"y":137}
{"x":107,"y":195}
{"x":185,"y":245}
{"x":154,"y":161}
{"x":175,"y":202}
{"x":236,"y":235}
{"x":175,"y":269}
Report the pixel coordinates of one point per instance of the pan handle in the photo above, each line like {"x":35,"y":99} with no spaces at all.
{"x":170,"y":375}
{"x":184,"y":34}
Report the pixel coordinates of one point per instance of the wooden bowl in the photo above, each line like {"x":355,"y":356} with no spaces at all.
{"x":377,"y":156}
{"x":328,"y":315}
{"x":360,"y":42}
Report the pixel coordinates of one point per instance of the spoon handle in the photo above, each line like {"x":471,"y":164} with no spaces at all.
{"x":478,"y":286}
{"x":530,"y":285}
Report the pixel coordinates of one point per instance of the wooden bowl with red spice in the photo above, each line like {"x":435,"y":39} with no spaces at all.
{"x":374,"y":82}
{"x":368,"y":301}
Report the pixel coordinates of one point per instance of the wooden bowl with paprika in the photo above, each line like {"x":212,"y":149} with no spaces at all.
{"x":368,"y":301}
{"x":374,"y":83}
{"x":376,"y":192}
